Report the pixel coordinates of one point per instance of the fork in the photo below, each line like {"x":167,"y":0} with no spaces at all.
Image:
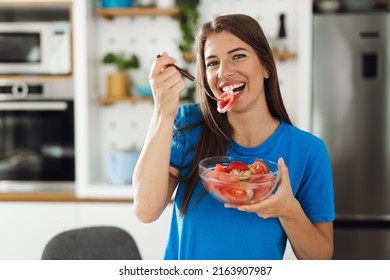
{"x":192,"y":79}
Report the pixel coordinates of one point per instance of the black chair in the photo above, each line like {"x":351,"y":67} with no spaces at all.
{"x":92,"y":243}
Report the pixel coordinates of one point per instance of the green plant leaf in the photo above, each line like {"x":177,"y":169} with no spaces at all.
{"x":188,"y":22}
{"x":121,"y":62}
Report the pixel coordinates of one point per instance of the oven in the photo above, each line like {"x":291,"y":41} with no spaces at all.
{"x":37,"y":140}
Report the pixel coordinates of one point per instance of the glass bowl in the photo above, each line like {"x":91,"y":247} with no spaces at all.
{"x":239,"y":180}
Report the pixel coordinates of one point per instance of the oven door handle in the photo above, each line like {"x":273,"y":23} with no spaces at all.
{"x":33,"y":106}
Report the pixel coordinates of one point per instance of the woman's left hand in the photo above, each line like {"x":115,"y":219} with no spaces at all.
{"x":278,"y":204}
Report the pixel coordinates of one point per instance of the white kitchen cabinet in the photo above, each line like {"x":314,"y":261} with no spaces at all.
{"x":150,"y":238}
{"x":26,"y":227}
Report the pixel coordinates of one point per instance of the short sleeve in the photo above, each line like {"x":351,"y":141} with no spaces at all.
{"x":316,"y":194}
{"x":186,"y":131}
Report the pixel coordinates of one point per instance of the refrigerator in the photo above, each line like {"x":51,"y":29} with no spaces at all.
{"x":351,"y":113}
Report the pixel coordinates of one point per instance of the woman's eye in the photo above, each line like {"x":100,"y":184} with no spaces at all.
{"x":211,"y":64}
{"x":238,"y":56}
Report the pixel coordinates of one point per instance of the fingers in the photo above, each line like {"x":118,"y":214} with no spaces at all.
{"x":262,"y":208}
{"x":163,"y":75}
{"x":284,"y":177}
{"x":161,"y":63}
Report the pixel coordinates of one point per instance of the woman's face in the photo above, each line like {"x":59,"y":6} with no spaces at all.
{"x":231,"y":64}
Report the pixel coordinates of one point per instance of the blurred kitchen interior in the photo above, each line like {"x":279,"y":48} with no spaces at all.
{"x":62,"y":130}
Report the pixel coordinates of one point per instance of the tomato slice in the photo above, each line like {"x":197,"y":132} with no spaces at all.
{"x":227,"y":103}
{"x":259,"y":167}
{"x":262,"y":178}
{"x":239,"y":169}
{"x":223,"y":177}
{"x":220,"y":168}
{"x":237,"y":165}
{"x":224,"y":189}
{"x":225,"y":180}
{"x":267,"y":182}
{"x":261,"y":193}
{"x":237,"y":195}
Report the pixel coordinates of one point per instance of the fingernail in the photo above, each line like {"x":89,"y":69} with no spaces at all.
{"x":281,"y":161}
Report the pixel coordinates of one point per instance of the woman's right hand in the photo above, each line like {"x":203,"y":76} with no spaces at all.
{"x":167,"y":84}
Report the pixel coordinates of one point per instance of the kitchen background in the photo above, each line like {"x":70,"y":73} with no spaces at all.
{"x":32,"y":212}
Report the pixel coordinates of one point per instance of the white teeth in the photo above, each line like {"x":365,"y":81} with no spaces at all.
{"x":230,"y":89}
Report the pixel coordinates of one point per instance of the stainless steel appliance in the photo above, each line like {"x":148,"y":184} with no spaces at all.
{"x":35,"y":48}
{"x":37,"y":140}
{"x":351,"y":112}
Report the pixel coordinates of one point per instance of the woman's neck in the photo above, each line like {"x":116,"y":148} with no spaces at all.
{"x":251,"y":129}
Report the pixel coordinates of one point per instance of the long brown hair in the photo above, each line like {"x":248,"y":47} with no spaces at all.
{"x":215,"y":137}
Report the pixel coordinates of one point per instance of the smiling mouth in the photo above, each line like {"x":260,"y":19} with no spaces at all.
{"x":234,"y":89}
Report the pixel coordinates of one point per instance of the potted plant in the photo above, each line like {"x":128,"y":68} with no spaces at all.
{"x":188,"y":21}
{"x":118,"y":83}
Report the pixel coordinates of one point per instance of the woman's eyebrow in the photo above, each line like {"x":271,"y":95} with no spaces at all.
{"x":237,"y":49}
{"x":229,"y":52}
{"x":210,"y":56}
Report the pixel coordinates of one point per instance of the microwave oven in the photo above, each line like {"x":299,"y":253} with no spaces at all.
{"x":35,"y":48}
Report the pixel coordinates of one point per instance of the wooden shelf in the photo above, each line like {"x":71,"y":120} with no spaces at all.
{"x":137,"y":11}
{"x":129,"y":99}
{"x":283,"y":56}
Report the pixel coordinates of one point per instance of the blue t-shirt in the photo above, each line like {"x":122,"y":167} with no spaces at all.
{"x":208,"y":230}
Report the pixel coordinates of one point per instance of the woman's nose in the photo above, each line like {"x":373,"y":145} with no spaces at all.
{"x":225,"y":70}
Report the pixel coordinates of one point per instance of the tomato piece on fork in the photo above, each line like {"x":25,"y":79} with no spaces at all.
{"x":227,"y":103}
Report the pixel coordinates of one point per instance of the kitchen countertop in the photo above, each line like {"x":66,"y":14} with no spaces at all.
{"x":53,"y":197}
{"x":47,"y":192}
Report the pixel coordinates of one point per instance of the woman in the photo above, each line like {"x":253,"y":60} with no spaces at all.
{"x":232,"y":52}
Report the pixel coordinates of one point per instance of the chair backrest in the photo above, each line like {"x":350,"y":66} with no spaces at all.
{"x":92,"y":243}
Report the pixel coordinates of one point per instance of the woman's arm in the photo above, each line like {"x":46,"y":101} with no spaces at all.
{"x":152,"y":186}
{"x":309,"y":241}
